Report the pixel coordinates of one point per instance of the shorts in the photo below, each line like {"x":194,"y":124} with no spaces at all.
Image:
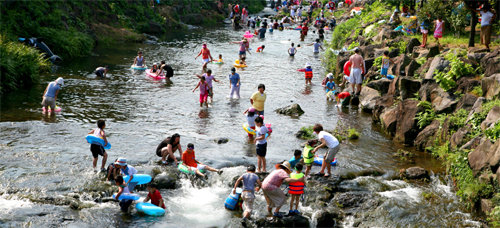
{"x":485,"y":34}
{"x":203,"y":97}
{"x":99,"y":74}
{"x":210,"y":91}
{"x":97,"y":150}
{"x":330,"y":155}
{"x":261,"y":149}
{"x":310,"y":77}
{"x":423,"y":30}
{"x":292,"y":55}
{"x":383,"y":71}
{"x":201,"y":167}
{"x":248,"y":199}
{"x":206,"y":60}
{"x":274,"y":198}
{"x":259,"y":112}
{"x":49,"y":102}
{"x":243,"y":52}
{"x":355,"y":77}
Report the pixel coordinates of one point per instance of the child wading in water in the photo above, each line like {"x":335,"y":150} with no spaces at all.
{"x":261,"y":144}
{"x":292,"y":50}
{"x":330,"y":88}
{"x":203,"y":91}
{"x":250,"y":119}
{"x":296,"y":189}
{"x":308,"y":73}
{"x":208,"y":78}
{"x":123,"y":189}
{"x":205,"y":55}
{"x":98,"y":149}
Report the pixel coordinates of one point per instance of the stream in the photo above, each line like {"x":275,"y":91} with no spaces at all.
{"x":47,"y":157}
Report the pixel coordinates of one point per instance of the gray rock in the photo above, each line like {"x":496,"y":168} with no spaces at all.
{"x":425,"y":137}
{"x":221,"y":140}
{"x":491,"y":86}
{"x":388,"y":119}
{"x":492,"y":118}
{"x":476,"y":108}
{"x":494,"y":160}
{"x":458,"y":137}
{"x":381,"y":85}
{"x":476,"y":56}
{"x":401,"y":64}
{"x":166,"y":180}
{"x":290,"y":221}
{"x":433,"y":51}
{"x":491,"y":63}
{"x":439,"y":64}
{"x":466,"y":102}
{"x":328,"y":219}
{"x":486,"y":206}
{"x":408,"y":87}
{"x":394,"y":53}
{"x":368,"y":98}
{"x":411,"y":68}
{"x":416,"y":173}
{"x":406,"y":126}
{"x":412,"y":43}
{"x":471,"y":144}
{"x":479,"y":157}
{"x":291,"y":110}
{"x":350,"y":199}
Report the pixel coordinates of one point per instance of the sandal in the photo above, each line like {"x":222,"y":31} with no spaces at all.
{"x":319,"y":174}
{"x":326,"y":175}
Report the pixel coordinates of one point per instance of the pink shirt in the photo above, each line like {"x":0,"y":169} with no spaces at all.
{"x":356,"y":61}
{"x":274,"y":180}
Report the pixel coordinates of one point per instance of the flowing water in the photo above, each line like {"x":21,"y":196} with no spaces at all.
{"x":46,"y":157}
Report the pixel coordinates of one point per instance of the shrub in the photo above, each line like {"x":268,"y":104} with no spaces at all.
{"x":352,"y":133}
{"x":457,"y":70}
{"x":426,"y":116}
{"x":20,"y":65}
{"x":477,"y":90}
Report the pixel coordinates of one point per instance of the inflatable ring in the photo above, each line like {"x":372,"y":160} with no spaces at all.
{"x":186,"y":169}
{"x":92,"y":139}
{"x":248,"y":129}
{"x":139,"y":67}
{"x":127,"y":196}
{"x":57,"y":109}
{"x":149,"y":209}
{"x":139,"y":178}
{"x":318,"y":160}
{"x":347,"y":67}
{"x":154,"y":76}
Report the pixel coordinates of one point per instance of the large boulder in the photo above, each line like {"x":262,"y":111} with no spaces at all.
{"x":379,"y":51}
{"x":479,"y":157}
{"x":414,"y":42}
{"x":416,"y":173}
{"x":491,"y":86}
{"x":389,"y":119}
{"x":476,"y":108}
{"x":394,"y":53}
{"x":412,"y":68}
{"x":369,"y":50}
{"x":381,"y":104}
{"x":408,"y":87}
{"x":425,"y":137}
{"x":291,"y":110}
{"x":476,"y":57}
{"x":457,"y":139}
{"x":466,"y":102}
{"x":384,"y":34}
{"x":494,"y":160}
{"x":381,"y":85}
{"x":492,"y":118}
{"x":437,"y":64}
{"x":419,"y":52}
{"x":466,"y":84}
{"x":441,"y":101}
{"x":433,"y":51}
{"x":328,"y":219}
{"x":166,"y":180}
{"x":290,"y":221}
{"x":368,"y":98}
{"x":491,"y":63}
{"x":401,"y":64}
{"x":406,"y":126}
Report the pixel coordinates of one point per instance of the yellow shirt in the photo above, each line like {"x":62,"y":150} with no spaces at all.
{"x":258,"y":100}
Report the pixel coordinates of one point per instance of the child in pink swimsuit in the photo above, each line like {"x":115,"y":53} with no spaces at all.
{"x":203,"y":91}
{"x":438,"y":31}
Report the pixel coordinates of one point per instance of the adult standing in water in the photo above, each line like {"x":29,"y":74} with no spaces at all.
{"x":275,"y":197}
{"x":205,"y":55}
{"x":50,"y":94}
{"x":168,"y":69}
{"x":333,"y":145}
{"x":167,"y":148}
{"x":258,"y":99}
{"x":234,"y":84}
{"x":357,"y":70}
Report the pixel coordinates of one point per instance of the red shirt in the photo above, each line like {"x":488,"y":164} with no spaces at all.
{"x":205,"y":53}
{"x":304,"y":30}
{"x":343,"y":95}
{"x":155,"y":198}
{"x":189,"y":159}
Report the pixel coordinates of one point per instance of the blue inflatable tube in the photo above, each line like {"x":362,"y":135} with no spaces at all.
{"x":318,"y":160}
{"x":92,"y":139}
{"x":231,"y":202}
{"x":139,"y":178}
{"x":127,"y":196}
{"x":149,"y":209}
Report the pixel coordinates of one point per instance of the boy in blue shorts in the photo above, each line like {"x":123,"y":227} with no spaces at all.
{"x":385,"y":64}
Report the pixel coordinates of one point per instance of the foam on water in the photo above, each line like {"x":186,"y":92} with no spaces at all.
{"x":408,"y":193}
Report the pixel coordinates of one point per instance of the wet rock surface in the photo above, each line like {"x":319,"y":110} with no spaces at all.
{"x":291,"y":110}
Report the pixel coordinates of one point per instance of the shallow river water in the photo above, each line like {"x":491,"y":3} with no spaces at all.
{"x":48,"y":156}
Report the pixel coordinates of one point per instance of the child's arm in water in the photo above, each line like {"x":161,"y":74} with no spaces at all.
{"x":237,"y":183}
{"x":147,"y":199}
{"x":196,"y":86}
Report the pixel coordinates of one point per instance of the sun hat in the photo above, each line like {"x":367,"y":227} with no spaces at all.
{"x":121,"y":162}
{"x":286,"y":165}
{"x":60,"y":81}
{"x":251,"y":109}
{"x":329,"y":75}
{"x":308,"y":65}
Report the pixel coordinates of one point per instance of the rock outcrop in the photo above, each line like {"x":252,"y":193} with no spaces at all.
{"x":291,"y":110}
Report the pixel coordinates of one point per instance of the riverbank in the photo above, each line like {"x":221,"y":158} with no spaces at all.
{"x":72,"y":29}
{"x":443,"y":99}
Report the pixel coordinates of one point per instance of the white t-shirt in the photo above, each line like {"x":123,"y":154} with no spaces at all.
{"x":251,"y":120}
{"x":486,"y":18}
{"x":129,"y":171}
{"x":262,"y":131}
{"x":331,"y":141}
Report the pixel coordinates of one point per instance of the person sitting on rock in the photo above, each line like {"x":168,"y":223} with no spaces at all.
{"x":189,"y":160}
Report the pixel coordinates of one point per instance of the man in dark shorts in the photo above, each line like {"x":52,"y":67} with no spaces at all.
{"x":101,"y":71}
